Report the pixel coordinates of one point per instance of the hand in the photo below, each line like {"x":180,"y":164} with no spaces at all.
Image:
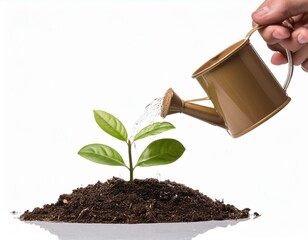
{"x":287,"y":28}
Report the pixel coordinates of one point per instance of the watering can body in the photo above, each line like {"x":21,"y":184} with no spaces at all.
{"x":243,"y":91}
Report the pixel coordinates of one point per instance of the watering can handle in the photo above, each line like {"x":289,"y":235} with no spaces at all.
{"x":288,"y":53}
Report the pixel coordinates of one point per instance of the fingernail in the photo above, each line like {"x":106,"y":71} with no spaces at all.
{"x":263,"y":11}
{"x":302,"y":39}
{"x":279,"y":35}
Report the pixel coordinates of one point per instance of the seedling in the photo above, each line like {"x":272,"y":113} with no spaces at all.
{"x":159,"y":152}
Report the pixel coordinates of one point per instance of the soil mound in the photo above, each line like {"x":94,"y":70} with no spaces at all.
{"x":144,"y":201}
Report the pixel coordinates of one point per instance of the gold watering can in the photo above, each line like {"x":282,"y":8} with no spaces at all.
{"x":242,"y":89}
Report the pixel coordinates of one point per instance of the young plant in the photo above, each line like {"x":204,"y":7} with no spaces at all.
{"x":158,"y":152}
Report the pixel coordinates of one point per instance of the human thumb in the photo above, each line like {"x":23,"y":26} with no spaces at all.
{"x":275,"y":11}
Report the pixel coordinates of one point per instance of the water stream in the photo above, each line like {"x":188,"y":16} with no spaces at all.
{"x":150,"y":114}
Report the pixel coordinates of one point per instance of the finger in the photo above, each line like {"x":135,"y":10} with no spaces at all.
{"x":300,"y":56}
{"x":278,"y":58}
{"x":305,"y":66}
{"x":271,"y":11}
{"x":301,"y":34}
{"x":276,"y":47}
{"x":297,"y":41}
{"x":273,"y":34}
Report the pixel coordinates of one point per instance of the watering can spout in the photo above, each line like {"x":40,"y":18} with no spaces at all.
{"x":172,"y":103}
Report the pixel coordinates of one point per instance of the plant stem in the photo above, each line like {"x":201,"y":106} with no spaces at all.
{"x":131,"y":168}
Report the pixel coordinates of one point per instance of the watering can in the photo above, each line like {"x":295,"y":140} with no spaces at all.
{"x":243,"y":91}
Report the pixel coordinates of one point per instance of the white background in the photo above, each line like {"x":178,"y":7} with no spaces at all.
{"x":59,"y":60}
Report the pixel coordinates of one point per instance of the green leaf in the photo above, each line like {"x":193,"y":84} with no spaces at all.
{"x":110,"y":124}
{"x":160,"y":152}
{"x":153,"y":129}
{"x":102,"y":154}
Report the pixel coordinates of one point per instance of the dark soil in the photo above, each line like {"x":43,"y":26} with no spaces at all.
{"x":144,"y":201}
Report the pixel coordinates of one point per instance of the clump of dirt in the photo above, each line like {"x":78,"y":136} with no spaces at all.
{"x":144,"y":201}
